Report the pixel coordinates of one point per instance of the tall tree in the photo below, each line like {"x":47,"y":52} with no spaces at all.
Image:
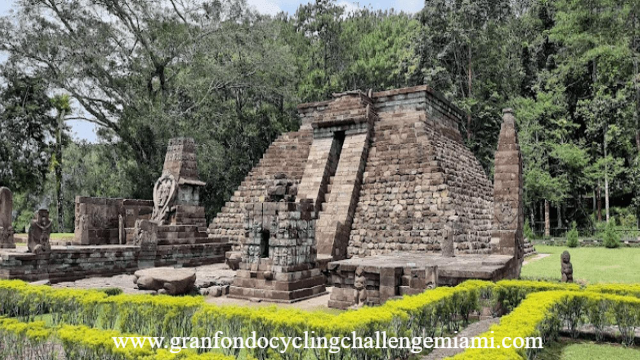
{"x":62,"y":106}
{"x":25,"y":131}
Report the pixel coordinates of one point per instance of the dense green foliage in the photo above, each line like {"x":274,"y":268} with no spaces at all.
{"x":610,"y":237}
{"x":572,"y":236}
{"x":230,"y":77}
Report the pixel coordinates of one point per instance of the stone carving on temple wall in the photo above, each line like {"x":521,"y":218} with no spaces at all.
{"x":567,"y":268}
{"x":360,"y":284}
{"x":506,"y":215}
{"x":164,"y":193}
{"x":282,"y":189}
{"x":39,"y":233}
{"x":145,"y":233}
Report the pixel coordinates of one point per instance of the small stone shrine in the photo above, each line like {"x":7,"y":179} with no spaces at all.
{"x":278,"y":258}
{"x":6,"y":229}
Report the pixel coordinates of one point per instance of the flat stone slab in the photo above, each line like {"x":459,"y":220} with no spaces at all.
{"x":166,"y":279}
{"x":451,"y":270}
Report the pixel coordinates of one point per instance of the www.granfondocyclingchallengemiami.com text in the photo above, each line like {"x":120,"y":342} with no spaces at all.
{"x":379,"y":340}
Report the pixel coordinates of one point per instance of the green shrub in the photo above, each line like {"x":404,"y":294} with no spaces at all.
{"x":111,"y":291}
{"x":610,"y":237}
{"x":542,"y":315}
{"x":572,"y":236}
{"x":528,"y":233}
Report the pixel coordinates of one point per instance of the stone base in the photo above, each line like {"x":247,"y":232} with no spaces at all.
{"x":79,"y":262}
{"x":394,"y":275}
{"x":284,"y":287}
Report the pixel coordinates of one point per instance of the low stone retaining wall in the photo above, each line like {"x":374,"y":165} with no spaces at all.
{"x":79,"y":262}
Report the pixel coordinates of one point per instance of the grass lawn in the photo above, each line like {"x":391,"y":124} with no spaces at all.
{"x":571,"y":350}
{"x":54,"y":236}
{"x":590,"y":264}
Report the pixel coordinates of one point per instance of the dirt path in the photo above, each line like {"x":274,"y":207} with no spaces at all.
{"x":535,"y":258}
{"x":472,"y":330}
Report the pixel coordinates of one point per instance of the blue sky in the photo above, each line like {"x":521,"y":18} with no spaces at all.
{"x":85,"y":131}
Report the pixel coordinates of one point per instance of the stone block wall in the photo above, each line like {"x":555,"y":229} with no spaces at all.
{"x":97,"y":219}
{"x":292,"y":236}
{"x":287,"y":154}
{"x":420,"y":182}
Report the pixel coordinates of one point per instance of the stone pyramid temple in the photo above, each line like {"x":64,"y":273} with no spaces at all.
{"x":391,"y":185}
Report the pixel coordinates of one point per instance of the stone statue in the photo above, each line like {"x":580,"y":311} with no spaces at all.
{"x":164,"y":193}
{"x":567,"y":268}
{"x":6,"y":230}
{"x":39,"y":233}
{"x":282,"y":189}
{"x":448,"y":249}
{"x":360,"y":284}
{"x":122,"y":237}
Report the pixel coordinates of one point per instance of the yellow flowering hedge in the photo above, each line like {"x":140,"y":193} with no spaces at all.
{"x":428,"y":314}
{"x":161,"y":315}
{"x":542,"y":315}
{"x":34,"y":340}
{"x":617,"y":289}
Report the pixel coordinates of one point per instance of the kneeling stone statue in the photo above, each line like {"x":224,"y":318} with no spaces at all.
{"x":39,"y":233}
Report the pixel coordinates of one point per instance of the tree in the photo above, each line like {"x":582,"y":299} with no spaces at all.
{"x":25,"y":131}
{"x":146,"y":71}
{"x":597,"y":62}
{"x":63,"y":107}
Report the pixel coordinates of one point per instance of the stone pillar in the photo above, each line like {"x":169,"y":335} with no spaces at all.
{"x":6,"y":230}
{"x":508,"y":211}
{"x":146,"y":237}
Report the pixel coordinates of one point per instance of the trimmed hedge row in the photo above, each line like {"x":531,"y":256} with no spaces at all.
{"x":431,"y":313}
{"x":34,"y":340}
{"x":544,"y":314}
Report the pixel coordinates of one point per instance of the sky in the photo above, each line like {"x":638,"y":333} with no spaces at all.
{"x":82,"y":130}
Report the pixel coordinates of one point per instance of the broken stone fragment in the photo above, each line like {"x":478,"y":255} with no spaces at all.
{"x":171,"y":281}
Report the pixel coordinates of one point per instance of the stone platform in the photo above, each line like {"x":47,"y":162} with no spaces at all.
{"x":403,"y":273}
{"x":70,"y":263}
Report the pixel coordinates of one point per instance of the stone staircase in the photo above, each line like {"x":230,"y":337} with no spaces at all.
{"x":528,"y":248}
{"x":335,"y":219}
{"x":288,"y":154}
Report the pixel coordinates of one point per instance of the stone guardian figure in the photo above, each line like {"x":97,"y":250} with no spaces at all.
{"x":567,"y":268}
{"x":360,"y":284}
{"x":6,"y":230}
{"x":39,"y":233}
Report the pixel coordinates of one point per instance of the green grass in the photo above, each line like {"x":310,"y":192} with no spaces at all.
{"x":61,"y":236}
{"x":590,"y":264}
{"x":572,"y":350}
{"x":54,"y":236}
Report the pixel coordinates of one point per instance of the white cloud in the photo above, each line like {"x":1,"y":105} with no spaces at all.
{"x":409,"y":6}
{"x":349,"y":7}
{"x":268,"y":7}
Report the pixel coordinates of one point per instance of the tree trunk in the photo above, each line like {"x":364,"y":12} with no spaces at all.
{"x":58,"y":173}
{"x":533,"y":218}
{"x":606,"y":175}
{"x":470,"y":91}
{"x":599,"y":202}
{"x":559,"y":216}
{"x":547,"y":219}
